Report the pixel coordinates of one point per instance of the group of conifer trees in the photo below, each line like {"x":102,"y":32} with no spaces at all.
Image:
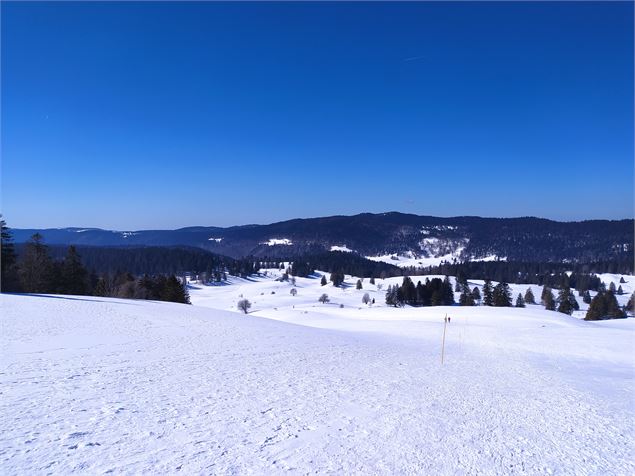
{"x":36,"y":272}
{"x":437,"y":292}
{"x":434,"y":292}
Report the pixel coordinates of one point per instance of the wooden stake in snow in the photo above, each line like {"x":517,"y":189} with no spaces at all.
{"x":445,"y":324}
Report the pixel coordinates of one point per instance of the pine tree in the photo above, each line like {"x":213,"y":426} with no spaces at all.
{"x":520,"y":302}
{"x":36,"y":267}
{"x":597,"y":308}
{"x":612,"y":287}
{"x":476,"y":294}
{"x":630,"y":305}
{"x":529,"y":297}
{"x":564,"y":301}
{"x":9,"y":272}
{"x":74,"y":277}
{"x":545,"y":292}
{"x":323,"y":281}
{"x":359,"y":284}
{"x":620,"y":291}
{"x":488,"y":293}
{"x":174,"y":291}
{"x":337,"y":278}
{"x":502,"y":296}
{"x":622,"y":280}
{"x":548,"y":300}
{"x":613,"y":309}
{"x":372,"y":280}
{"x":394,"y":296}
{"x":586,"y":297}
{"x":448,"y":293}
{"x":466,"y":298}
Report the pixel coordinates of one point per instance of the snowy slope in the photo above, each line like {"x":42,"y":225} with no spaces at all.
{"x":95,"y":385}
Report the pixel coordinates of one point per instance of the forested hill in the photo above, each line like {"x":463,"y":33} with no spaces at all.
{"x":463,"y":238}
{"x":150,"y":260}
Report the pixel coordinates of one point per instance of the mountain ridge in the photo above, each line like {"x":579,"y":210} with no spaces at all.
{"x":382,"y":234}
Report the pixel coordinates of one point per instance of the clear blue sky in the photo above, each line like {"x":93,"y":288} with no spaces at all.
{"x":161,"y":115}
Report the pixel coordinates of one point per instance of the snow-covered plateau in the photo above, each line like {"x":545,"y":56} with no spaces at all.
{"x":97,"y":385}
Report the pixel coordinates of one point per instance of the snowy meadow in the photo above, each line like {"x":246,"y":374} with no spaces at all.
{"x":101,"y":385}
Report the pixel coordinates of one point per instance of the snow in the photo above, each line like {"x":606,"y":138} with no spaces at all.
{"x":490,"y":258}
{"x":343,"y":248}
{"x":277,"y":241}
{"x":412,"y":260}
{"x":98,"y":385}
{"x":217,"y":240}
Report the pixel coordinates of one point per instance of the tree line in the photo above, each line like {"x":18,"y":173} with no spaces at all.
{"x":581,"y":277}
{"x":439,"y":292}
{"x":35,"y":271}
{"x":154,"y":260}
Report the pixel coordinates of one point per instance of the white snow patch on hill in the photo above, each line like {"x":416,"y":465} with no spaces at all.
{"x":217,"y":240}
{"x":411,"y":259}
{"x":277,"y":241}
{"x":490,"y":258}
{"x":343,"y":248}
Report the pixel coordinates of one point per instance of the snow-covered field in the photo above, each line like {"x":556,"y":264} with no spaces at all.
{"x":97,"y":385}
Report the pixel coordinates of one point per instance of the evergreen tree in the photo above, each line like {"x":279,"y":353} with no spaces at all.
{"x":565,"y":298}
{"x":586,"y":297}
{"x":359,"y":284}
{"x":174,"y":291}
{"x":408,"y":292}
{"x":620,"y":291}
{"x":630,"y":305}
{"x":520,"y":302}
{"x":337,"y":278}
{"x":372,"y":280}
{"x":488,"y":293}
{"x":613,"y":309}
{"x":323,"y":281}
{"x":466,"y":298}
{"x":502,"y":296}
{"x":74,"y":277}
{"x":548,"y":300}
{"x":612,"y":287}
{"x":529,"y":297}
{"x":36,"y":267}
{"x":476,"y":294}
{"x":392,"y":298}
{"x":599,"y":307}
{"x":622,"y":280}
{"x":9,"y":273}
{"x":545,"y":292}
{"x":448,"y":293}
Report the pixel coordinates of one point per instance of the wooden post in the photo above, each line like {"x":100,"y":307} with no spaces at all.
{"x":445,"y":324}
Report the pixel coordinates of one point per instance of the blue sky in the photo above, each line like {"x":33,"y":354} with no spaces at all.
{"x":161,"y":115}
